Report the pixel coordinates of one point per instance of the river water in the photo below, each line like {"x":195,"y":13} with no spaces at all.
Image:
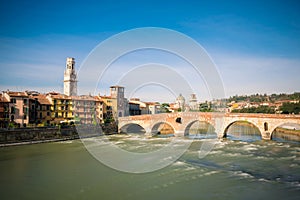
{"x":232,"y":170}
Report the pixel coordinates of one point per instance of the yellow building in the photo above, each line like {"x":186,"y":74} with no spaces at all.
{"x":61,"y":108}
{"x":109,"y":112}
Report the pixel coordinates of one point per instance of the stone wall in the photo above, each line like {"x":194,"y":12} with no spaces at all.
{"x":36,"y":134}
{"x":17,"y":135}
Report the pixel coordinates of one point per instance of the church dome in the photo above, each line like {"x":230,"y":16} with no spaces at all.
{"x":180,"y":98}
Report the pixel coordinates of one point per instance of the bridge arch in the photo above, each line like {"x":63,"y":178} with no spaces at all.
{"x":208,"y":127}
{"x":158,"y":126}
{"x":132,"y":128}
{"x":243,"y":123}
{"x":289,"y":135}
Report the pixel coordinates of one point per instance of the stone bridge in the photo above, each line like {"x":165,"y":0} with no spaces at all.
{"x":182,"y":121}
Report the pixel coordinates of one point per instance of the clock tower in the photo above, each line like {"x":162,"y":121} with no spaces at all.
{"x":70,"y":80}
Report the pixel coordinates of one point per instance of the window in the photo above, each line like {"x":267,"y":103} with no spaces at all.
{"x":25,"y":117}
{"x":25,"y":110}
{"x":13,"y":100}
{"x":12,"y":118}
{"x":48,"y":107}
{"x":266,"y":126}
{"x":25,"y":101}
{"x":32,"y":107}
{"x":41,"y":115}
{"x":56,"y":114}
{"x":13,"y":110}
{"x":48,"y":113}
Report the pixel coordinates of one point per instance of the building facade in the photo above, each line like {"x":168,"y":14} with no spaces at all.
{"x":144,"y":107}
{"x":180,"y":103}
{"x":154,"y":107}
{"x":4,"y":111}
{"x":61,"y":108}
{"x":84,"y":109}
{"x":193,"y":103}
{"x":117,"y":93}
{"x":99,"y":107}
{"x":108,"y":113}
{"x":18,"y":107}
{"x":40,"y":109}
{"x":134,"y":109}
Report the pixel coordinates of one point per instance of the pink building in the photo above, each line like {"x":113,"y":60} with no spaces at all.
{"x":18,"y":107}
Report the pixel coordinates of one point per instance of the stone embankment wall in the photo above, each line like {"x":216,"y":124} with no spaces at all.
{"x":36,"y":134}
{"x":20,"y":135}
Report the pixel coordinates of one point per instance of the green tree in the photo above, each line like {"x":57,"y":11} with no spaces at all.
{"x":164,"y":108}
{"x":289,"y":108}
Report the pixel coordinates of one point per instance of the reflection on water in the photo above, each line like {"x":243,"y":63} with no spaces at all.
{"x":288,"y":132}
{"x":232,"y":170}
{"x":243,"y":131}
{"x":200,"y":130}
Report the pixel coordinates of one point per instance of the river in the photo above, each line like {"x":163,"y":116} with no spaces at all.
{"x":232,"y":170}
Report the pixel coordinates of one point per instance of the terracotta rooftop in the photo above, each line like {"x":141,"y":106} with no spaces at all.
{"x":98,"y":98}
{"x":116,"y":86}
{"x":152,"y":103}
{"x":17,"y":94}
{"x":3,"y":99}
{"x":42,"y":99}
{"x":133,"y":103}
{"x":83,"y":98}
{"x":56,"y":95}
{"x":106,"y":97}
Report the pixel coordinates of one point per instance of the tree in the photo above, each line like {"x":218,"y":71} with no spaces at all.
{"x":164,"y":108}
{"x":260,"y":109}
{"x":289,"y":108}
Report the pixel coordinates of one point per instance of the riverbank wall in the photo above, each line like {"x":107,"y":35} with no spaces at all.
{"x":19,"y":135}
{"x":48,"y":134}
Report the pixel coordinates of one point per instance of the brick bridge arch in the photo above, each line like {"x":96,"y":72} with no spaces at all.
{"x":191,"y":123}
{"x":266,"y":123}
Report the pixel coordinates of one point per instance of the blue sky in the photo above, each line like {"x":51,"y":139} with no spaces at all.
{"x":255,"y":44}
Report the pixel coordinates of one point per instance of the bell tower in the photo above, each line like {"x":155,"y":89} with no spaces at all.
{"x":70,"y":80}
